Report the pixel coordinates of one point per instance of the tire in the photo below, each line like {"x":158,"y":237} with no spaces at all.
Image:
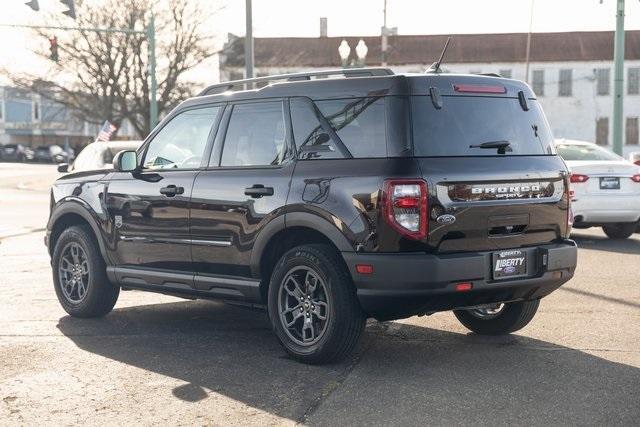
{"x":315,"y":341}
{"x":99,"y":295}
{"x":513,"y":317}
{"x":620,"y":230}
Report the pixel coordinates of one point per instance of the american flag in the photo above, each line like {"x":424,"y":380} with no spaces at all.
{"x":106,"y":131}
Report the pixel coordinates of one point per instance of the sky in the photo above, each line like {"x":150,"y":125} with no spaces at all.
{"x":300,"y":18}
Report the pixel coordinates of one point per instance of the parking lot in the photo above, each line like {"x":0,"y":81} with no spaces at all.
{"x":157,"y":359}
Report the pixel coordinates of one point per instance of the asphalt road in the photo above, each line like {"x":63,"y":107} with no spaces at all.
{"x":162,"y":360}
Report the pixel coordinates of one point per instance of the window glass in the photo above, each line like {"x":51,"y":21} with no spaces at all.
{"x":566,"y":80}
{"x":312,"y":141}
{"x":465,"y":122}
{"x":505,"y":73}
{"x":256,"y":135}
{"x":602,"y":78}
{"x":633,"y":78}
{"x":585,"y":152}
{"x":602,"y":131}
{"x":631,"y":131}
{"x":182,"y":141}
{"x":360,"y":124}
{"x":537,"y":83}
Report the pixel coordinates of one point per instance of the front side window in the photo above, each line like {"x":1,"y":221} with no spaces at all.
{"x":256,"y":135}
{"x":180,"y":144}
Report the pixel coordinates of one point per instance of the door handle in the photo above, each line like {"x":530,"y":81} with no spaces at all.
{"x":171,"y":190}
{"x":258,"y":190}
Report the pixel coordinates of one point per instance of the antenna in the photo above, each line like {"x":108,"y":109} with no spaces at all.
{"x":435,"y":67}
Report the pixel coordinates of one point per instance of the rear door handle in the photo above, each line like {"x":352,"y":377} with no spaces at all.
{"x":258,"y":190}
{"x":171,"y":190}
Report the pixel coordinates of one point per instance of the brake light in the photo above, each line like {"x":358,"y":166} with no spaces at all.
{"x":571,"y":195}
{"x":636,"y":177}
{"x":577,"y":178}
{"x":404,"y":205}
{"x":479,"y":88}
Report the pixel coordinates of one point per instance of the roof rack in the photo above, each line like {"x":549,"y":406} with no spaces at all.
{"x":241,"y":84}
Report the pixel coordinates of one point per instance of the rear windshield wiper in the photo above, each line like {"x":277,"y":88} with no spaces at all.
{"x":502,"y":146}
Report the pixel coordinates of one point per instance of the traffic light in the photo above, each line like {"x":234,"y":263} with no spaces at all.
{"x":33,"y":4}
{"x":53,"y":48}
{"x":71,"y":12}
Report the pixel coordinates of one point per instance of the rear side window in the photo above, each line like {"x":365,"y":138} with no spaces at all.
{"x":256,"y":135}
{"x":466,"y":121}
{"x":358,"y":126}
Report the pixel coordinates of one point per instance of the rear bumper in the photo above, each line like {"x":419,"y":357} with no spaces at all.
{"x":406,"y":284}
{"x":606,"y":208}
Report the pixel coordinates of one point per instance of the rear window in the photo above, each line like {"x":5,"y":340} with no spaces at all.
{"x":585,"y":152}
{"x":465,"y":121}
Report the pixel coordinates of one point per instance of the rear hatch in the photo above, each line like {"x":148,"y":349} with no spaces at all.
{"x":485,"y":149}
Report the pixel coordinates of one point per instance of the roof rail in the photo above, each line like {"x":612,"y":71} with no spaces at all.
{"x":347,"y":72}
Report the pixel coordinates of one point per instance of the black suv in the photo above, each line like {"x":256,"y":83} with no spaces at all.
{"x":329,"y":200}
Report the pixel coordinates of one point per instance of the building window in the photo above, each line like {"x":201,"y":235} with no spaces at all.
{"x":603,"y":81}
{"x":505,"y":73}
{"x":1,"y":110}
{"x":36,"y":110}
{"x":602,"y":131}
{"x":564,"y":88}
{"x":631,"y":134}
{"x":633,"y":78}
{"x":537,"y":81}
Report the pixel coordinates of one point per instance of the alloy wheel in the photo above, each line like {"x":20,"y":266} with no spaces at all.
{"x":73,"y":273}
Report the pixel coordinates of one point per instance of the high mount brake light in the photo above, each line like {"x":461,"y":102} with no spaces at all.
{"x":404,"y":205}
{"x":479,"y":88}
{"x":577,"y":178}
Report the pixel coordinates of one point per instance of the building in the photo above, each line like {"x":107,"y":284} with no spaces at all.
{"x":27,"y":118}
{"x":571,"y":73}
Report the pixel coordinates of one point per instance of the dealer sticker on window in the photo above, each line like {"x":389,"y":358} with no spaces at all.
{"x":511,"y":263}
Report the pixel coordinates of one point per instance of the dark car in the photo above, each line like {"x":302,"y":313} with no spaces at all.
{"x":14,"y":153}
{"x":329,"y":200}
{"x":51,"y":154}
{"x":98,"y":155}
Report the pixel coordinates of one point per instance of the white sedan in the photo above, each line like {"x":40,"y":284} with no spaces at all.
{"x":605,"y":188}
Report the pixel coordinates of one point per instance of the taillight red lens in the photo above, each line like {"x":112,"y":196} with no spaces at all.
{"x":404,"y":204}
{"x":636,"y":177}
{"x":577,"y":178}
{"x":479,"y":88}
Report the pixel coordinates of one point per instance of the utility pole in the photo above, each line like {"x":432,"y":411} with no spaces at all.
{"x":384,"y":35}
{"x":528,"y":51}
{"x":618,"y":54}
{"x":248,"y":43}
{"x":153,"y":109}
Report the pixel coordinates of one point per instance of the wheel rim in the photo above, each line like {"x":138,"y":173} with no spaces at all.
{"x":73,"y":273}
{"x":488,"y":311}
{"x":303,"y":305}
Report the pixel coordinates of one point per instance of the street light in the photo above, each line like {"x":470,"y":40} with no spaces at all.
{"x":361,"y":52}
{"x":344,"y":50}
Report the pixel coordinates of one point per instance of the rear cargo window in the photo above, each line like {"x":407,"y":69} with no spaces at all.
{"x":466,"y":121}
{"x":585,"y":152}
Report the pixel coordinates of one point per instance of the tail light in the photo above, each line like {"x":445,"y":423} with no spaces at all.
{"x":636,"y":177}
{"x":570,"y":197}
{"x":404,"y":205}
{"x":577,"y":178}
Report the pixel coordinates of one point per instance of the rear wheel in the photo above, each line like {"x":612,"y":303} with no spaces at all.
{"x":79,"y":275}
{"x":313,"y":306}
{"x":620,"y":230}
{"x":498,"y":319}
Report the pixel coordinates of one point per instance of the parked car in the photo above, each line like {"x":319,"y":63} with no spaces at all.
{"x":328,"y":201}
{"x":606,"y":188}
{"x":98,"y":155}
{"x":635,"y":158}
{"x":51,"y":154}
{"x":14,"y":153}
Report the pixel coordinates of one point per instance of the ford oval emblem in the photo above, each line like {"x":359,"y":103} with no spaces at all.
{"x":446,"y":219}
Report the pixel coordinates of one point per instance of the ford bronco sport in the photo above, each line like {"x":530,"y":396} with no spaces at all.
{"x":329,"y":200}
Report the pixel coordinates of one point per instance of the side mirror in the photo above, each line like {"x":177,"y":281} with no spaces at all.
{"x":125,"y":161}
{"x":63,"y":167}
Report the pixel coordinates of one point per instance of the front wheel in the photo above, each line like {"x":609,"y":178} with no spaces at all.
{"x":498,"y":319}
{"x":620,"y":230}
{"x":313,"y":306}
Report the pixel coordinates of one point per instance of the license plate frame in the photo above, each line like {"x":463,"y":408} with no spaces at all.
{"x":509,"y":264}
{"x":609,"y":183}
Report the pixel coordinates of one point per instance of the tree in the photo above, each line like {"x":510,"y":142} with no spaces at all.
{"x":105,"y":76}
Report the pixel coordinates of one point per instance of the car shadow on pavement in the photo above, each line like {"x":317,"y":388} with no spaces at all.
{"x":602,"y":243}
{"x":402,"y":374}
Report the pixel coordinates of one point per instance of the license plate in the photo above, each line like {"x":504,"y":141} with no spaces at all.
{"x":609,"y":183}
{"x":511,"y":263}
